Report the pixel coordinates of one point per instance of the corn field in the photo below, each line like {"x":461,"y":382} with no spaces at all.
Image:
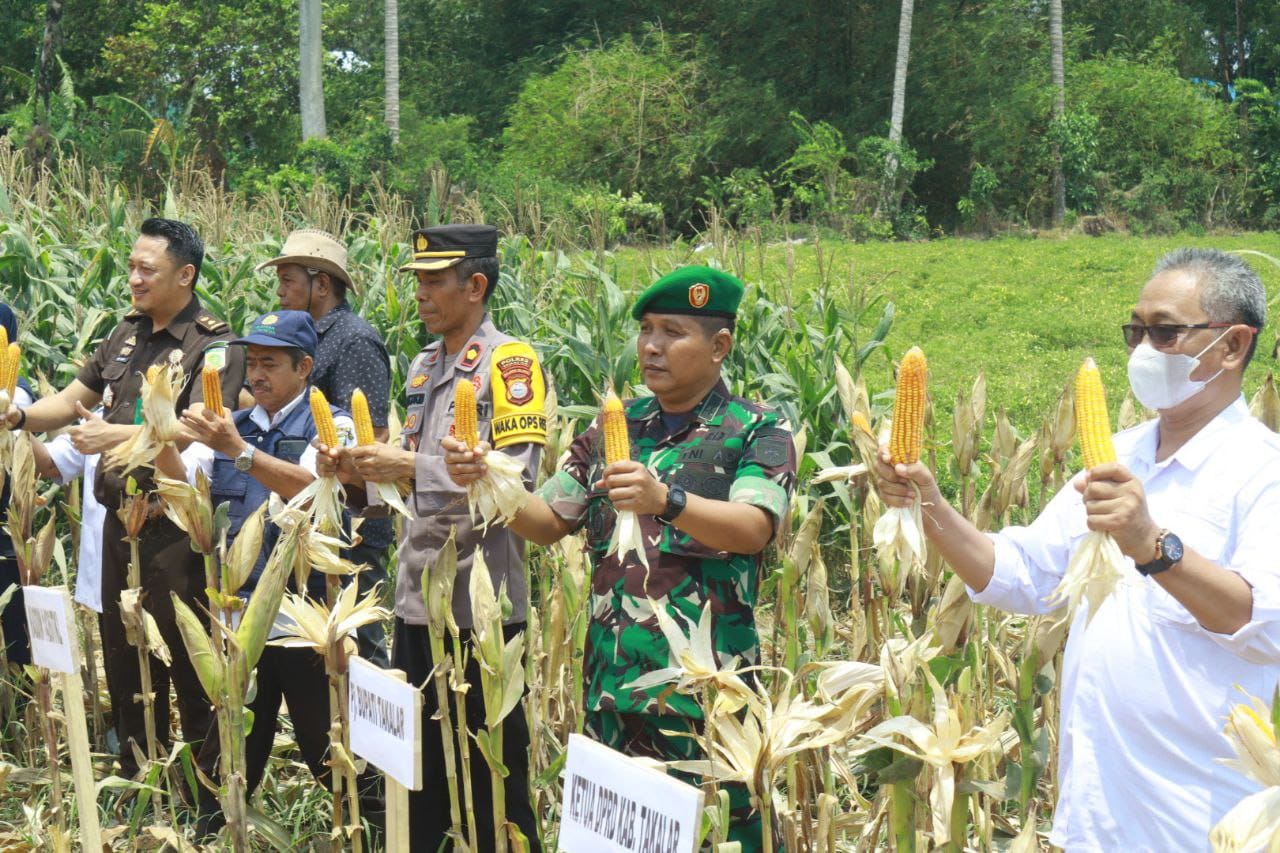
{"x":888,"y":711}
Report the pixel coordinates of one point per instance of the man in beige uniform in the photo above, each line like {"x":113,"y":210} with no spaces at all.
{"x":457,"y":271}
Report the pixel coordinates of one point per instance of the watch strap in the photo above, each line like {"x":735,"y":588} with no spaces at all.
{"x":676,"y":501}
{"x":1160,"y":562}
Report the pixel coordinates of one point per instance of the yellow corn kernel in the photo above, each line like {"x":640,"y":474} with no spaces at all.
{"x":465,"y":425}
{"x":1092,"y":422}
{"x":360,"y":414}
{"x":906,"y":439}
{"x":613,"y":423}
{"x":212,"y":390}
{"x":321,"y":414}
{"x":13,"y":365}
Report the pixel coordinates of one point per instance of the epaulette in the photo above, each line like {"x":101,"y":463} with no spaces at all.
{"x":212,"y":324}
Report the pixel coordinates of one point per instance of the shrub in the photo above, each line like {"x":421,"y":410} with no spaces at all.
{"x":627,"y":116}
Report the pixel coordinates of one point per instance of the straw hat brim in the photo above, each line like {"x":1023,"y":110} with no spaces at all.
{"x":310,"y":262}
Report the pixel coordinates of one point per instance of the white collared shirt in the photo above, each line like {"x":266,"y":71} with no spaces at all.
{"x":1146,"y":689}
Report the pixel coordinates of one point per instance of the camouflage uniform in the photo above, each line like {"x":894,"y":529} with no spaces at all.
{"x":731,"y":450}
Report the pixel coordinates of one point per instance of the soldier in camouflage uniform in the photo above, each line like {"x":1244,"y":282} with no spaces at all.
{"x":709,"y":479}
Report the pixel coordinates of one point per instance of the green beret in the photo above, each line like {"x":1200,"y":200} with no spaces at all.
{"x":700,"y":291}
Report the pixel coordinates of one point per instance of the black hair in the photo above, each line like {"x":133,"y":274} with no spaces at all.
{"x":184,"y":244}
{"x":487,"y":267}
{"x":711,"y":323}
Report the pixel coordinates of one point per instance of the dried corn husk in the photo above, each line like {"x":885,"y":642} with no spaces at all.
{"x":1092,"y":574}
{"x":1254,"y":822}
{"x":160,"y":423}
{"x":500,"y":494}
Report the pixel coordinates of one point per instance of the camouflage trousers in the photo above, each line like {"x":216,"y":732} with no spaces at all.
{"x":647,"y":735}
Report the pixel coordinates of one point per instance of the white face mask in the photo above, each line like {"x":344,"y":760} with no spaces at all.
{"x":1162,"y":380}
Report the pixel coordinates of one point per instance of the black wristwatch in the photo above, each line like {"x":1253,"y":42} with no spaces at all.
{"x":1168,"y":552}
{"x":676,"y":499}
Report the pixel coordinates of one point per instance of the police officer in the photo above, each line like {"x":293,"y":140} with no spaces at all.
{"x":710,"y":481}
{"x":167,"y":321}
{"x":457,"y":270}
{"x":252,"y":453}
{"x":312,"y":273}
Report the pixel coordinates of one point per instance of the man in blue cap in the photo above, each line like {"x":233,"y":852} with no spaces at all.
{"x":255,"y":452}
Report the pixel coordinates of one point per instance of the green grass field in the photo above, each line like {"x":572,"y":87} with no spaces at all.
{"x":1026,"y":311}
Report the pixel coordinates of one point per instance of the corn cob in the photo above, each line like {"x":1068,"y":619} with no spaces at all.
{"x":320,"y":413}
{"x":860,"y":421}
{"x":465,"y":427}
{"x":152,"y":372}
{"x":1092,"y":421}
{"x":4,"y":352}
{"x":613,"y":423}
{"x":360,"y":414}
{"x":212,"y":390}
{"x":907,"y":437}
{"x":13,"y":364}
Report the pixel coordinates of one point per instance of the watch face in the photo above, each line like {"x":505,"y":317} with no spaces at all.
{"x":1171,"y":549}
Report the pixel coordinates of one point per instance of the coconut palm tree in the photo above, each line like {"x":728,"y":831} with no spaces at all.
{"x":1059,"y":108}
{"x":391,"y":70}
{"x":310,"y":64}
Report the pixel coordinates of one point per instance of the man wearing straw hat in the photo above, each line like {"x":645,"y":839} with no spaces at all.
{"x":312,"y":273}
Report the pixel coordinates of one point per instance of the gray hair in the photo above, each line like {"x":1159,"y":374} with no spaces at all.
{"x":1230,"y":290}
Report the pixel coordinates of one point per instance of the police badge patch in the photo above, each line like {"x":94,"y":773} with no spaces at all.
{"x":517,"y":375}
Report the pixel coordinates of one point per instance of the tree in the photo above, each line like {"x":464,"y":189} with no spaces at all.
{"x":391,"y":72}
{"x":44,"y":74}
{"x":1059,"y":109}
{"x":899,"y":89}
{"x":310,"y":77}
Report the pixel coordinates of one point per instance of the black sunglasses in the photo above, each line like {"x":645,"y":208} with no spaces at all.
{"x":1167,"y":334}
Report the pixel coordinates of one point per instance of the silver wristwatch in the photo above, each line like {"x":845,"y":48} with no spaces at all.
{"x":245,"y":460}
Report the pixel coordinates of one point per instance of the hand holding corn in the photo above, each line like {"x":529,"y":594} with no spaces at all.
{"x":1097,"y":565}
{"x":1117,"y":504}
{"x":497,"y":492}
{"x":899,"y":533}
{"x":216,"y":431}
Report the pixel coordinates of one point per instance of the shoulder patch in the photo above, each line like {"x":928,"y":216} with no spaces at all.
{"x":773,"y":447}
{"x":211,"y":324}
{"x":215,"y":355}
{"x":519,"y":395}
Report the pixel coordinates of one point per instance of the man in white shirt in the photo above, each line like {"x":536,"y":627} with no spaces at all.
{"x":1194,"y":505}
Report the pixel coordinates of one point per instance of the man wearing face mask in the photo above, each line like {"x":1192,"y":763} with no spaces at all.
{"x":1192,"y":502}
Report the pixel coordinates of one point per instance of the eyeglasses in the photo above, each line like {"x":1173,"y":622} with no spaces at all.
{"x":1167,"y":334}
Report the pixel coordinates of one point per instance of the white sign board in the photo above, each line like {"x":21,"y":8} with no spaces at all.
{"x":615,"y":804}
{"x":51,"y":625}
{"x":386,"y":714}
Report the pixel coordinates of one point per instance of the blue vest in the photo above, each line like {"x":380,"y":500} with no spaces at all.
{"x":286,"y":441}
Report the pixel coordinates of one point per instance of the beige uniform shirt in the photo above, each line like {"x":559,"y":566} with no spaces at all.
{"x":436,"y":503}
